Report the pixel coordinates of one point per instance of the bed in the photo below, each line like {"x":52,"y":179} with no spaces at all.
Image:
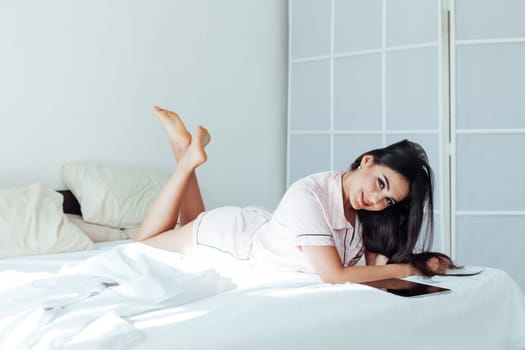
{"x":285,"y":310}
{"x":117,"y":294}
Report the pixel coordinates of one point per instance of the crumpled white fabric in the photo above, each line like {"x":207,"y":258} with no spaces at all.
{"x":88,"y":301}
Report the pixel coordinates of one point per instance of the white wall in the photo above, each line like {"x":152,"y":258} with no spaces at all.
{"x":78,"y":80}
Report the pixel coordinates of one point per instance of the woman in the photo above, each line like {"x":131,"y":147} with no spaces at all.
{"x":324,"y":223}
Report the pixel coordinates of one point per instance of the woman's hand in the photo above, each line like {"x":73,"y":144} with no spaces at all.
{"x":438,"y":265}
{"x":430,"y":264}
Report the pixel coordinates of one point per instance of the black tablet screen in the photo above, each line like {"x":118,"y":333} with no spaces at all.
{"x":405,"y":288}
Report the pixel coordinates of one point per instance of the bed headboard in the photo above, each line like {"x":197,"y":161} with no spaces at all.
{"x":71,"y":204}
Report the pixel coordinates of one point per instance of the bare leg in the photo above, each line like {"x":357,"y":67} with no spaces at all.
{"x":178,"y":240}
{"x":179,"y":139}
{"x":160,"y":216}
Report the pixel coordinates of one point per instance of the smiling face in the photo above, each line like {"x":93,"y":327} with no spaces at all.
{"x":373,"y":187}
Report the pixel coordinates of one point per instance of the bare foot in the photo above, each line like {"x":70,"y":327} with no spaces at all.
{"x":195,"y":154}
{"x":178,"y":135}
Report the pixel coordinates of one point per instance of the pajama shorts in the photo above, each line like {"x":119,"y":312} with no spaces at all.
{"x":229,"y":229}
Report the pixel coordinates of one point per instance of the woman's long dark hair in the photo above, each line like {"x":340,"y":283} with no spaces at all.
{"x":395,"y":231}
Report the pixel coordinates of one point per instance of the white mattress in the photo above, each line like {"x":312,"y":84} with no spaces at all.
{"x":269,"y":310}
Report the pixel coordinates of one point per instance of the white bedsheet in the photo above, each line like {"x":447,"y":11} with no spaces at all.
{"x":87,"y":300}
{"x":269,"y":310}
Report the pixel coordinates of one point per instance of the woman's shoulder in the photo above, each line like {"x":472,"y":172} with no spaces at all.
{"x":321,"y":177}
{"x":322,"y":186}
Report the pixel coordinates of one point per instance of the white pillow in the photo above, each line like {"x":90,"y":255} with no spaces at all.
{"x":32,"y":222}
{"x":111,"y":195}
{"x":101,"y":233}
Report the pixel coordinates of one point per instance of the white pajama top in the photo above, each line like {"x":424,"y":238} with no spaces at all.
{"x":310,"y":213}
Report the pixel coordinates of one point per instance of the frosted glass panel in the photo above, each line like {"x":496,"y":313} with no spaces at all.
{"x":437,"y":244}
{"x":358,"y":25}
{"x":487,"y":19}
{"x":308,"y":154}
{"x":412,"y":89}
{"x":431,"y":145}
{"x":490,"y":91}
{"x":349,"y":147}
{"x":411,"y":21}
{"x":310,"y":96}
{"x":310,"y":28}
{"x":490,"y":172}
{"x":357,"y":93}
{"x":402,"y":83}
{"x":492,"y":241}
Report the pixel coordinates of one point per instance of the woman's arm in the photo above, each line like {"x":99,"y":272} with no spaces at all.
{"x":327,"y":264}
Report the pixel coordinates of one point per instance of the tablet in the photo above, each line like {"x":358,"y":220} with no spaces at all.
{"x":405,"y":288}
